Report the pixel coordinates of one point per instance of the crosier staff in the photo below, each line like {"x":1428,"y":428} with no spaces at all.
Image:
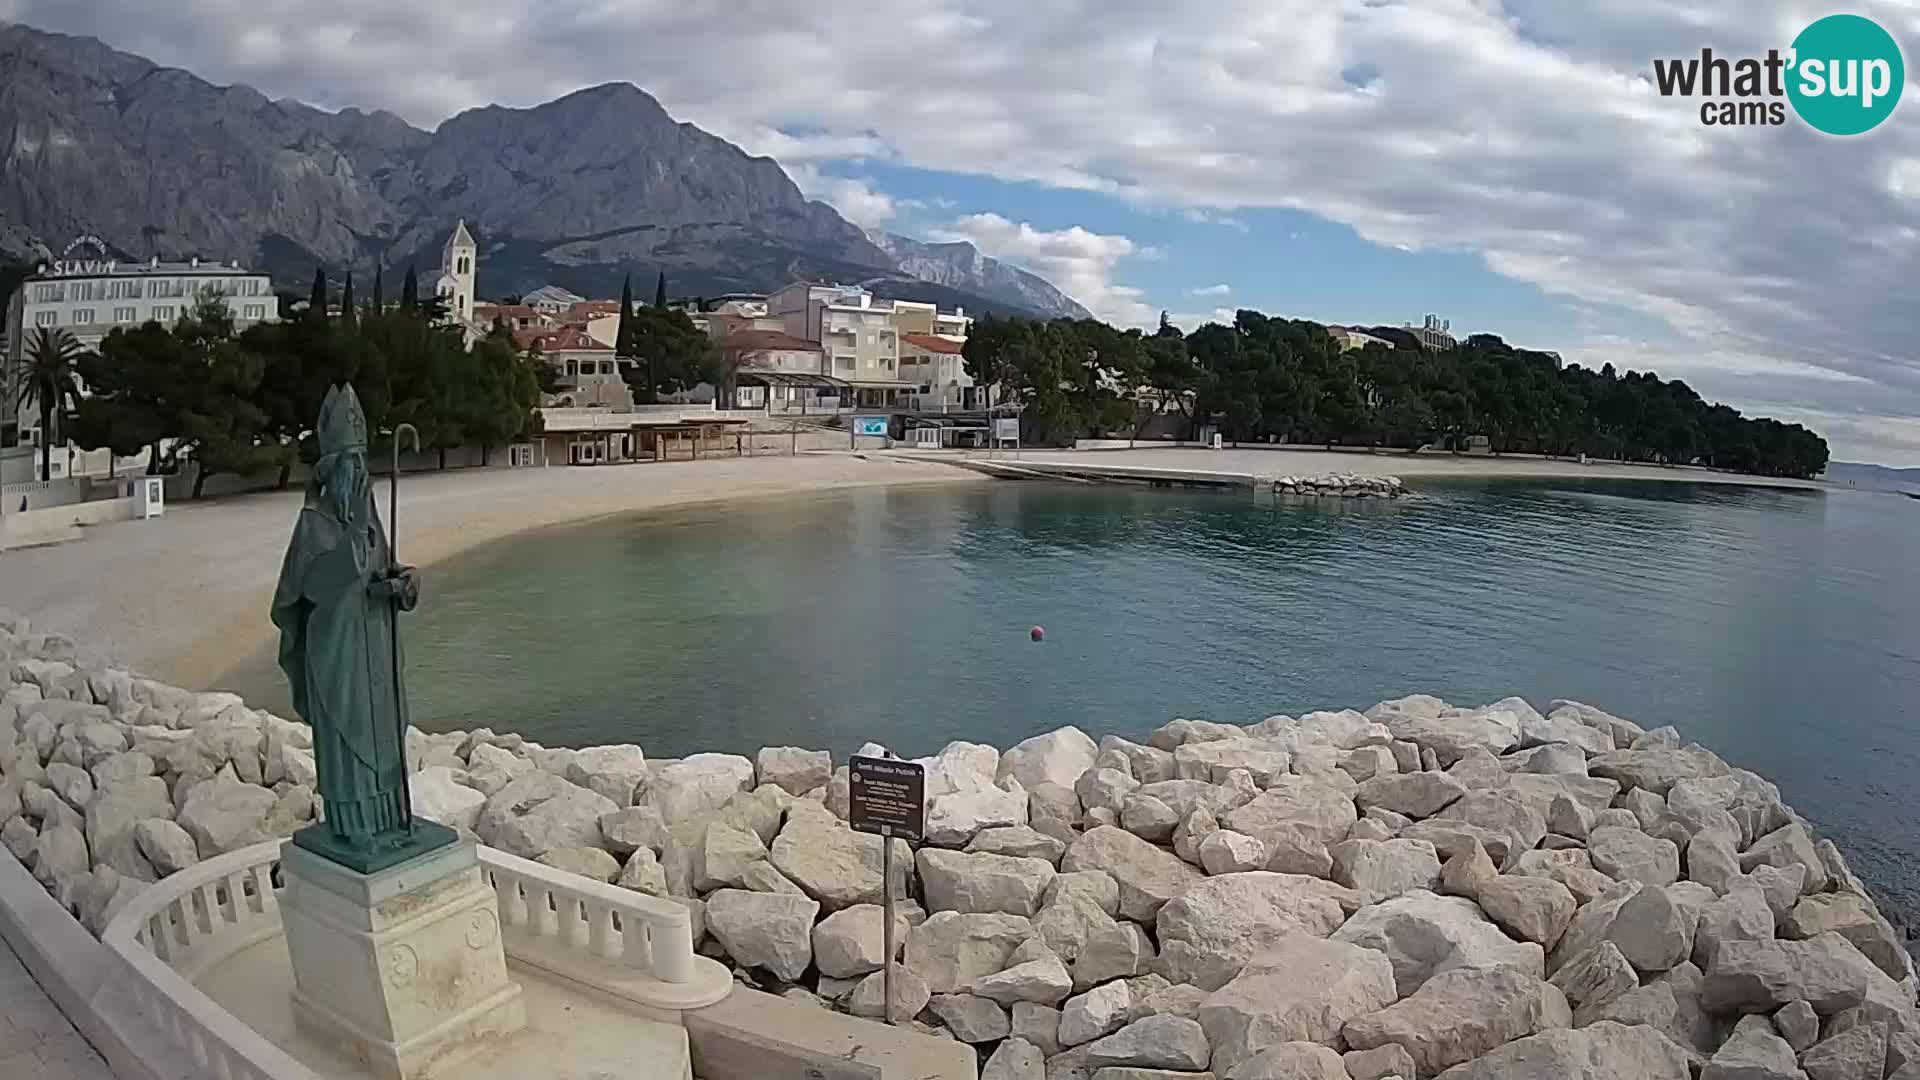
{"x":393,"y":559}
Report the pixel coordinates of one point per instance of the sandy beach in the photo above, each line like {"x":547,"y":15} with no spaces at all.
{"x":1305,"y":462}
{"x":184,"y":597}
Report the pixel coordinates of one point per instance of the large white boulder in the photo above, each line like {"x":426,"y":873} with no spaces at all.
{"x":1300,"y":989}
{"x":539,"y":812}
{"x":1754,"y":1052}
{"x":613,"y":771}
{"x":792,"y":769}
{"x":1148,"y":876}
{"x":696,"y":785}
{"x":437,"y":795}
{"x":1424,"y":935}
{"x":950,"y":950}
{"x":1156,"y":1042}
{"x":1381,"y":869}
{"x":953,"y":818}
{"x":956,"y":881}
{"x":112,"y":814}
{"x":1853,"y":917}
{"x":1415,"y":794}
{"x":852,"y":941}
{"x":773,"y":931}
{"x":1043,"y":980}
{"x":1100,"y":1011}
{"x":1825,"y":971}
{"x":1595,"y":976}
{"x":168,"y":848}
{"x":1058,"y":757}
{"x":1458,"y":1015}
{"x":1600,"y":1051}
{"x":1535,"y":909}
{"x":223,"y":815}
{"x":1626,"y":854}
{"x":1210,"y":931}
{"x":910,"y":995}
{"x":1212,"y":761}
{"x":832,"y":863}
{"x":1322,"y":810}
{"x":723,"y":855}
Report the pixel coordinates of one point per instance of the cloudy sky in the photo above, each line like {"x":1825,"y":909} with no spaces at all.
{"x":1507,"y":165}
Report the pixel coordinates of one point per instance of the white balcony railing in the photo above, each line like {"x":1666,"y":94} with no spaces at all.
{"x":636,"y":947}
{"x":180,"y":925}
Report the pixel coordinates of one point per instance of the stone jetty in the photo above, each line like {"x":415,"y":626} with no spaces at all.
{"x":1340,"y":486}
{"x":1416,"y":891}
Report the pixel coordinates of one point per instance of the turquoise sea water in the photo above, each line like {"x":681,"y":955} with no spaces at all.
{"x":1781,"y":628}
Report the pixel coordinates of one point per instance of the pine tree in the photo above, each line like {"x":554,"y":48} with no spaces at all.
{"x":379,"y":292}
{"x":660,"y":292}
{"x":346,"y":301}
{"x":410,"y":290}
{"x":317,"y":298}
{"x":623,"y":331}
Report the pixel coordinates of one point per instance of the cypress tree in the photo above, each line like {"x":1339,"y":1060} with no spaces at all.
{"x":410,"y":291}
{"x":346,"y":300}
{"x":379,"y":292}
{"x":317,"y":297}
{"x":623,"y":331}
{"x":660,"y":292}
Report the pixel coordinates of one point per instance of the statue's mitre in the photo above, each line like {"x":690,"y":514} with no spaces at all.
{"x":342,"y":425}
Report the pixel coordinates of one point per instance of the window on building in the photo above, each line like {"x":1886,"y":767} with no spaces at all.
{"x":125,"y":314}
{"x":83,"y":317}
{"x":53,"y":292}
{"x":46,"y":318}
{"x":844,"y":363}
{"x":163,"y":312}
{"x":123,"y":289}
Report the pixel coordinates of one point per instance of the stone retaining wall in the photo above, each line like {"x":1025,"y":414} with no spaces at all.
{"x":1415,"y":891}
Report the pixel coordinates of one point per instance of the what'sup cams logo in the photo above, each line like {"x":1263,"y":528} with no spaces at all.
{"x":1842,"y":75}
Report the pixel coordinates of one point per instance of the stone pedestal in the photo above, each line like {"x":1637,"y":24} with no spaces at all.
{"x":402,"y":968}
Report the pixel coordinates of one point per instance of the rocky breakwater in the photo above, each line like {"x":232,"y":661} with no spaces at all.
{"x":1340,"y":486}
{"x":1415,"y":891}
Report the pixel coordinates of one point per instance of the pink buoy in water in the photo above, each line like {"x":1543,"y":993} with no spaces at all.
{"x":1037,"y":633}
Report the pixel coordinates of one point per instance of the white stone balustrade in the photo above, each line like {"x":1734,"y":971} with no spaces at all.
{"x":184,"y":923}
{"x":636,"y":947}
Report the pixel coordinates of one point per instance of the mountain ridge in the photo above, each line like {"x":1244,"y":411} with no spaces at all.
{"x":579,"y":191}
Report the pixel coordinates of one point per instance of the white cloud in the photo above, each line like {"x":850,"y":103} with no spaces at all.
{"x":1524,"y":131}
{"x":1211,"y":290}
{"x":853,"y":196}
{"x":1078,"y":262}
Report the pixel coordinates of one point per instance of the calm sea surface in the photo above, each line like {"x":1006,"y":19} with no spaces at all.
{"x":1780,"y":628}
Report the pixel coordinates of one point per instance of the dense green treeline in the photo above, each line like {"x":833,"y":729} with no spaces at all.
{"x":1269,"y":379}
{"x":245,"y":401}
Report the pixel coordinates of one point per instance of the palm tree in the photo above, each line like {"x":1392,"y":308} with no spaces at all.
{"x":48,"y":380}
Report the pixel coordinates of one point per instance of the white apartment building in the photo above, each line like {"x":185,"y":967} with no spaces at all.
{"x":90,"y":295}
{"x":934,"y":364}
{"x":854,"y":331}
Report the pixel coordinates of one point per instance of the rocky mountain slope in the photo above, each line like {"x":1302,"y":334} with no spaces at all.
{"x":577,"y":191}
{"x":962,"y":266}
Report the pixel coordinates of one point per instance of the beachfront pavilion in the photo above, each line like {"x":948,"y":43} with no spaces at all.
{"x":791,"y":391}
{"x":643,"y":433}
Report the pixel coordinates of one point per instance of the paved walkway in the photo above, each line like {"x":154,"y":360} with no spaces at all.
{"x":36,"y":1041}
